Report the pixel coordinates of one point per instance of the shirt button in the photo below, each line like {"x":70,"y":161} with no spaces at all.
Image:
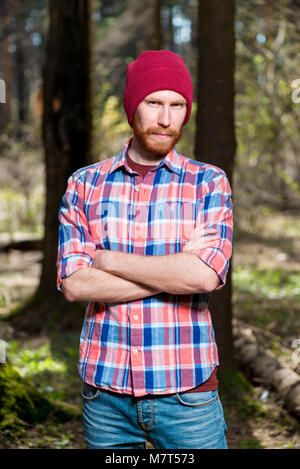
{"x":135,"y":350}
{"x":135,"y":317}
{"x":137,"y":188}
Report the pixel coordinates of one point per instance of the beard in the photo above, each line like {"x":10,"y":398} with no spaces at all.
{"x":158,"y":146}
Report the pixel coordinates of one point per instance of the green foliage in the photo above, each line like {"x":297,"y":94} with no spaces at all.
{"x":111,"y":129}
{"x":266,"y":117}
{"x":268,"y":298}
{"x":34,"y":361}
{"x":233,"y":384}
{"x":21,"y":183}
{"x":251,"y":443}
{"x":268,"y":283}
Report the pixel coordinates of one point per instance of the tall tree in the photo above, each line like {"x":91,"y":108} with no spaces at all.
{"x":157,"y":39}
{"x":66,"y":135}
{"x":6,"y":72}
{"x":22,"y":85}
{"x":215,"y":136}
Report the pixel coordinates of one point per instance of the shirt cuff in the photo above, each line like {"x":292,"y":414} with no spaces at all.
{"x":215,"y":259}
{"x":71,"y":264}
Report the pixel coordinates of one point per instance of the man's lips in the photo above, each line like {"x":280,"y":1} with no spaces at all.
{"x":157,"y":134}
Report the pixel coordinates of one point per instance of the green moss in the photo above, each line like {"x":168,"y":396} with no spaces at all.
{"x":237,"y":395}
{"x":22,"y":404}
{"x":233,"y":384}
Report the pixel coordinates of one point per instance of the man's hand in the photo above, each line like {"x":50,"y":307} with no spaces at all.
{"x":201,"y":238}
{"x":103,"y":259}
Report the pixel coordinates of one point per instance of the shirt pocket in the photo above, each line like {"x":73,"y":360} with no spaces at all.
{"x":109,"y":223}
{"x":170,"y":224}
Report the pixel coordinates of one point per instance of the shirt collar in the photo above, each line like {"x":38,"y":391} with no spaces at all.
{"x":172,"y":160}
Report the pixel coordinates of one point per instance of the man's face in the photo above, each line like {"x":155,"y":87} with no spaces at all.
{"x":158,"y":121}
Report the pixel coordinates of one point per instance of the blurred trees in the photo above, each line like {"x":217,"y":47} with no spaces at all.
{"x":21,"y":26}
{"x":267,"y":120}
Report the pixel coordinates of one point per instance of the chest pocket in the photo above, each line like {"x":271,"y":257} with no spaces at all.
{"x":169,"y":225}
{"x":109,"y":224}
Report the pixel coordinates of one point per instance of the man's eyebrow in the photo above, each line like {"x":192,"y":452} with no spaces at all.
{"x":174,"y":101}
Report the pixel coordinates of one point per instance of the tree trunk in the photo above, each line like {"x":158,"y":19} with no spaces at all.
{"x":66,"y":138}
{"x":215,"y":136}
{"x":170,"y":28}
{"x":66,"y":119}
{"x":157,"y":39}
{"x":22,"y":91}
{"x":6,"y":74}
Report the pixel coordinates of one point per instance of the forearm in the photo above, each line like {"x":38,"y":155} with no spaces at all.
{"x":181,"y":273}
{"x":91,"y":284}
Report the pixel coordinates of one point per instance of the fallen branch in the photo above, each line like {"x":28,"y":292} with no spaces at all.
{"x":263,"y":366}
{"x":24,"y":245}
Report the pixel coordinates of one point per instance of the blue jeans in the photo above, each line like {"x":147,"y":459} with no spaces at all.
{"x":183,"y":421}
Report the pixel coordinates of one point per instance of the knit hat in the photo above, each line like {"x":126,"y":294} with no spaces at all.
{"x":154,"y":71}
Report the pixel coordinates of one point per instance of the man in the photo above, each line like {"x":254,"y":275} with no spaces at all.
{"x":145,"y":236}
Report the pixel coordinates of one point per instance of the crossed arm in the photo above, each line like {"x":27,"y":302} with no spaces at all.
{"x":121,"y":277}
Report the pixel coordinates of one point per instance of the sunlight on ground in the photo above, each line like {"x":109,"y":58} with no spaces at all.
{"x":33,"y":359}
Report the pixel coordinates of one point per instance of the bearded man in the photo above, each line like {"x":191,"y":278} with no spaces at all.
{"x":145,"y":237}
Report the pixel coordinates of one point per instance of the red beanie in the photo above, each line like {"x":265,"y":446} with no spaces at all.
{"x":154,"y":71}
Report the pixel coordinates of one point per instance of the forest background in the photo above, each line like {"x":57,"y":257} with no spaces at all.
{"x":62,"y":70}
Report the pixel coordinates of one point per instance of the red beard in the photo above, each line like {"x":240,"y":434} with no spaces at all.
{"x":159,"y":147}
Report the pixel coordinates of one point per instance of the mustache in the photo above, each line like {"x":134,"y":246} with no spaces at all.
{"x":162,"y":131}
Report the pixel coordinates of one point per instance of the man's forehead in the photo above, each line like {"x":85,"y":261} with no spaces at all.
{"x":166,"y":94}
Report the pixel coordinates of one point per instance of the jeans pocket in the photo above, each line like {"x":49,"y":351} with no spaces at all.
{"x":90,"y":393}
{"x":197,"y":399}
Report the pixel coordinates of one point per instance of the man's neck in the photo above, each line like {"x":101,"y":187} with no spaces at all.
{"x":141,"y":156}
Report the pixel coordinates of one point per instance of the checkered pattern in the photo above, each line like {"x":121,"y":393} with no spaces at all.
{"x":164,"y":343}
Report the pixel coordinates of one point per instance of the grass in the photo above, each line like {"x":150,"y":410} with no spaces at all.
{"x":267,"y":283}
{"x":251,"y":443}
{"x":49,"y":363}
{"x":268,"y":298}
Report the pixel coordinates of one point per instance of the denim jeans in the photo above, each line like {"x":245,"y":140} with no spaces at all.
{"x":183,"y":421}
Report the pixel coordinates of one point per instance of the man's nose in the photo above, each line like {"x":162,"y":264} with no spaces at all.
{"x":164,"y":116}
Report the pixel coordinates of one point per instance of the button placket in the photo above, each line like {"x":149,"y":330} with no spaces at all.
{"x":136,"y":315}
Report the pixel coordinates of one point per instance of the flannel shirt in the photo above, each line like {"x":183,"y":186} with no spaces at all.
{"x":165,"y":343}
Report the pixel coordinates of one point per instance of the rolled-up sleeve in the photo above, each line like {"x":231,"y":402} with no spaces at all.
{"x":216,"y":212}
{"x":75,"y":246}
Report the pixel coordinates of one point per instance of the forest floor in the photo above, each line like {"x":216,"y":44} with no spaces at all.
{"x":266,"y":297}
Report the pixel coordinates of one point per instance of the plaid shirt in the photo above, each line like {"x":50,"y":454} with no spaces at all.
{"x":163,"y":343}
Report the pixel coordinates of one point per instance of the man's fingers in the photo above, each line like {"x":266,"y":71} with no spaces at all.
{"x":202,"y":244}
{"x":200,"y":232}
